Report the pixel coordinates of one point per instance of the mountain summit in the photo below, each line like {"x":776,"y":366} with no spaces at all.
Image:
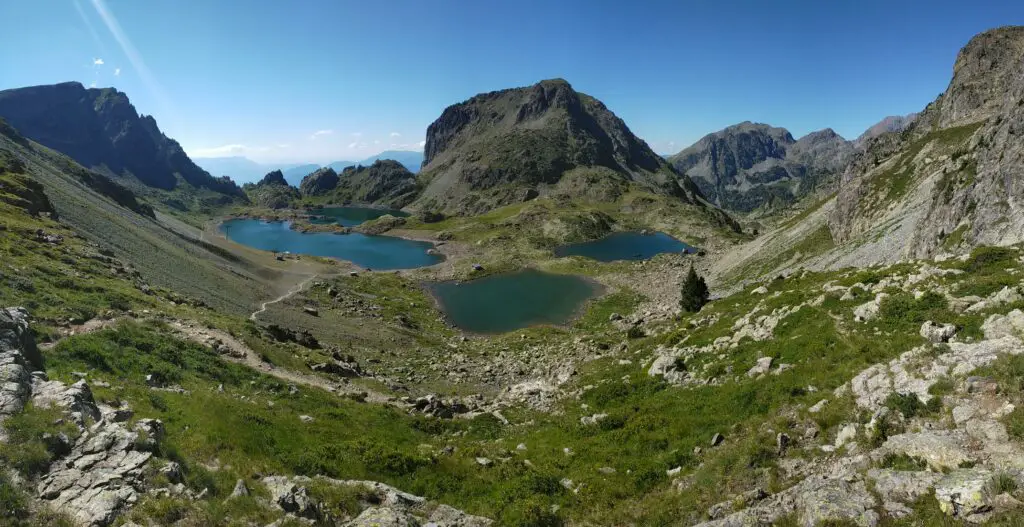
{"x":100,"y":129}
{"x":512,"y":145}
{"x":752,"y":165}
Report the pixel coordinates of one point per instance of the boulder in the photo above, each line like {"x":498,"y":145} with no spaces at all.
{"x":1008,"y":325}
{"x":240,"y":489}
{"x":937,"y":333}
{"x":941,"y":449}
{"x":15,"y":335}
{"x":964,"y":492}
{"x":383,"y":517}
{"x":291,"y":497}
{"x":869,"y":310}
{"x":762,"y":366}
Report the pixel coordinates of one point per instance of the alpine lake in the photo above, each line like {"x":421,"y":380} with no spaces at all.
{"x":491,"y":304}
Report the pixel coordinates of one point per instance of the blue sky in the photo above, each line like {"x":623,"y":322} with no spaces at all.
{"x":317,"y":81}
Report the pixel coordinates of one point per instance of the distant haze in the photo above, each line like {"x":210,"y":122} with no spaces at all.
{"x":245,"y":170}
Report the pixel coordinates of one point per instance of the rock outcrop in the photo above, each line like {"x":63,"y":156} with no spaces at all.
{"x":391,"y":507}
{"x":385,"y":182}
{"x":99,"y":475}
{"x":272,"y":192}
{"x":750,"y":165}
{"x":273,"y":178}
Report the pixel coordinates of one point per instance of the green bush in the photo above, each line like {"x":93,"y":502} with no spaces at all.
{"x":910,"y":405}
{"x":990,"y":259}
{"x":1015,"y":423}
{"x":1003,"y":482}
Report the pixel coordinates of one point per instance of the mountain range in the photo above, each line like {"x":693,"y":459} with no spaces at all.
{"x":858,"y":363}
{"x":750,"y":165}
{"x":101,"y":130}
{"x":244,"y":170}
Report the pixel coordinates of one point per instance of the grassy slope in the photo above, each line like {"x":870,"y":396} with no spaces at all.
{"x":166,"y":251}
{"x":252,"y":426}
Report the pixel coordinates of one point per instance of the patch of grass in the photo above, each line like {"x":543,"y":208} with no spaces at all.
{"x":903,"y":462}
{"x":901,"y":312}
{"x":1003,"y":482}
{"x":1014,"y":422}
{"x":33,"y":439}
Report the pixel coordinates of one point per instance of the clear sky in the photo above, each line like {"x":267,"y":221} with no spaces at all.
{"x":305,"y":80}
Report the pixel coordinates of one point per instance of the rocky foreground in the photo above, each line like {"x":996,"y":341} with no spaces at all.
{"x":105,"y":466}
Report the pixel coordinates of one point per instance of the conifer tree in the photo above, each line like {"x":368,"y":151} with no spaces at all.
{"x":695,"y":292}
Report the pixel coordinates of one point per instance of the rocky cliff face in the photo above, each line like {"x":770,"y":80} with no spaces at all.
{"x":319,"y":182}
{"x":954,"y":178}
{"x":512,"y":145}
{"x":99,"y":128}
{"x":750,"y":165}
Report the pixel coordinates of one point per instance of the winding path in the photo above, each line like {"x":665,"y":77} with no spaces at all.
{"x":292,"y":291}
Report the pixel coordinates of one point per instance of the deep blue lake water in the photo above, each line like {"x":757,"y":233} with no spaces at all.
{"x":505,"y":302}
{"x":625,"y":246}
{"x":352,"y":216}
{"x":374,"y":252}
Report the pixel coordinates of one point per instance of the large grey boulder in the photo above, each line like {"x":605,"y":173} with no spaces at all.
{"x":964,"y":492}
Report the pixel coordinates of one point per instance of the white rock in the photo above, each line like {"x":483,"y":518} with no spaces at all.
{"x":763,"y":365}
{"x":937,"y":333}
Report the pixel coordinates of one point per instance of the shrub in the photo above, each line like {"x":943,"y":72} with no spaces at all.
{"x":990,"y":259}
{"x":1003,"y":482}
{"x":910,"y":405}
{"x":533,"y":512}
{"x":13,"y":503}
{"x":635,"y":332}
{"x":1015,"y":423}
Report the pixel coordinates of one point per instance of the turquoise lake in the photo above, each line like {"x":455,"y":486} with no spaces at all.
{"x":625,"y":246}
{"x":505,"y":302}
{"x":351,"y":216}
{"x":373,"y":252}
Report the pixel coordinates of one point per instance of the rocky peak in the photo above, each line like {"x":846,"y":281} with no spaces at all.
{"x":505,"y":146}
{"x":544,"y":95}
{"x":273,"y":178}
{"x":386,"y":182}
{"x":100,"y":129}
{"x":984,"y":71}
{"x":320,"y":182}
{"x":892,"y":123}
